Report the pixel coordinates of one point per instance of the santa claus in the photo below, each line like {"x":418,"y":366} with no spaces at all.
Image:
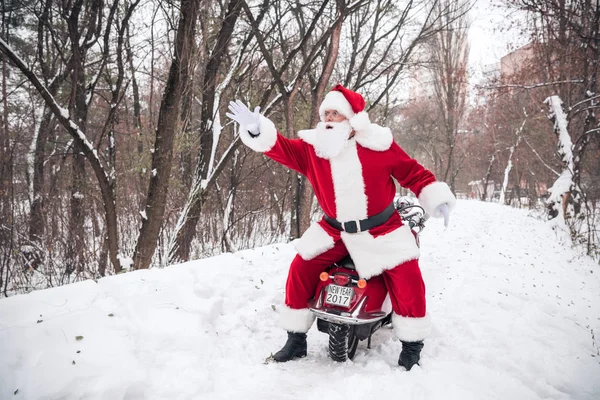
{"x":351,"y":164}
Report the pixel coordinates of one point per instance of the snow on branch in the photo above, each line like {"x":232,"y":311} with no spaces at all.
{"x":564,"y":182}
{"x":587,"y":100}
{"x":534,"y":86}
{"x":558,"y":116}
{"x":540,"y":159}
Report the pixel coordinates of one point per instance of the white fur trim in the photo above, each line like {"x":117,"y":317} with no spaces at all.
{"x":265,"y":140}
{"x":360,"y":121}
{"x":335,"y":100}
{"x":434,"y":195}
{"x":308,"y":135}
{"x":296,"y":320}
{"x":373,"y":255}
{"x":410,"y":329}
{"x":348,"y":185}
{"x":313,"y":242}
{"x":375,"y":137}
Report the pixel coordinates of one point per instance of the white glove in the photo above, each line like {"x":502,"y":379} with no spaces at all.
{"x":249,"y":121}
{"x":443,"y":210}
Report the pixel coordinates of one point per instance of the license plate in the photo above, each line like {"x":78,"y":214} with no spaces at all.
{"x":339,"y":295}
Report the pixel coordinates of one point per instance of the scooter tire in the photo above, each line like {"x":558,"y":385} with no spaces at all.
{"x":342,"y":342}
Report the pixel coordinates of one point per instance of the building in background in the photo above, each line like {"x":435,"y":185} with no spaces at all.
{"x":514,"y":61}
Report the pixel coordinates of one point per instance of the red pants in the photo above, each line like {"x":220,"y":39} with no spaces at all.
{"x":404,"y":282}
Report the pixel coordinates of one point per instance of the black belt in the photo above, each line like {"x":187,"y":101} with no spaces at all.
{"x":363,"y":224}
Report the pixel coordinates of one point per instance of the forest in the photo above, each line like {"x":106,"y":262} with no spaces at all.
{"x":116,"y":154}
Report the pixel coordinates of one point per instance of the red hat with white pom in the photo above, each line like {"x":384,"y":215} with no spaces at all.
{"x":348,"y":103}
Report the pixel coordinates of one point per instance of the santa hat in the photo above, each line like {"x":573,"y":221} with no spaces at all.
{"x":348,"y":103}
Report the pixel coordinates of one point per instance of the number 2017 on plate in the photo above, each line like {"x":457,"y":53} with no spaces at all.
{"x":339,"y":295}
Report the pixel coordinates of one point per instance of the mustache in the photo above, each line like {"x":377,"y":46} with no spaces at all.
{"x":344,"y":125}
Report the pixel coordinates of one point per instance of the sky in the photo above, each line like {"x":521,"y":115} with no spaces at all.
{"x":515,"y":316}
{"x":492,"y":35}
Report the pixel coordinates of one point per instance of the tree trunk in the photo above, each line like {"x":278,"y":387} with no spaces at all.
{"x":76,"y":241}
{"x":6,"y":171}
{"x":486,"y":179}
{"x":137,"y":113}
{"x":303,"y":187}
{"x":32,"y":254}
{"x":36,"y":217}
{"x":165,"y":132}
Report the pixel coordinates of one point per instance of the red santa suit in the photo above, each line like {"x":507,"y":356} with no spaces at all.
{"x":353,"y":185}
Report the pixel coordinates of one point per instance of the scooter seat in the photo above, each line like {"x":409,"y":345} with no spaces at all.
{"x":347,"y":262}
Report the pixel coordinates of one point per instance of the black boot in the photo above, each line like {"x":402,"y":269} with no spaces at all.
{"x":294,"y":347}
{"x":410,"y":354}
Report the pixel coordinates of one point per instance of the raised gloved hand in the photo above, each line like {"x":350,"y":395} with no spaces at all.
{"x":443,"y":210}
{"x":248,"y":120}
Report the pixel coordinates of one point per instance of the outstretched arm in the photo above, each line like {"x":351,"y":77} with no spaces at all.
{"x":259,"y":133}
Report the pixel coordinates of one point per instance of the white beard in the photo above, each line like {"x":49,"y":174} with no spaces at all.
{"x":330,"y":142}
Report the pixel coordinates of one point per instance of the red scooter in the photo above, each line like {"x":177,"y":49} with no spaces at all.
{"x":351,"y":309}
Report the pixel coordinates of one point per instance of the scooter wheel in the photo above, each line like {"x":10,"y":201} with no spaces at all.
{"x":342,"y":342}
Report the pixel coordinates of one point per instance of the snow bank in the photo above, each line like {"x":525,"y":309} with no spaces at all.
{"x":513,"y":314}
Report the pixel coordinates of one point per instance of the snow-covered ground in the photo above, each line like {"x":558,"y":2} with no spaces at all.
{"x":514,"y":316}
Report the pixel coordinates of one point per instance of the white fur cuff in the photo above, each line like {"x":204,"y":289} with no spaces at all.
{"x":410,"y":329}
{"x":360,"y":121}
{"x":313,"y":242}
{"x":296,"y":320}
{"x":266,"y":138}
{"x":434,"y":195}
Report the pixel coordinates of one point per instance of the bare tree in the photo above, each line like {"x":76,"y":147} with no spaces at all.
{"x":186,"y":227}
{"x":304,"y":197}
{"x":179,"y":74}
{"x":298,"y":59}
{"x":6,"y":173}
{"x":449,"y":65}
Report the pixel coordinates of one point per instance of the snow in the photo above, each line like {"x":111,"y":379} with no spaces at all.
{"x":515,"y":314}
{"x":65,"y":114}
{"x":154,"y":172}
{"x":143,"y":214}
{"x":125,"y":261}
